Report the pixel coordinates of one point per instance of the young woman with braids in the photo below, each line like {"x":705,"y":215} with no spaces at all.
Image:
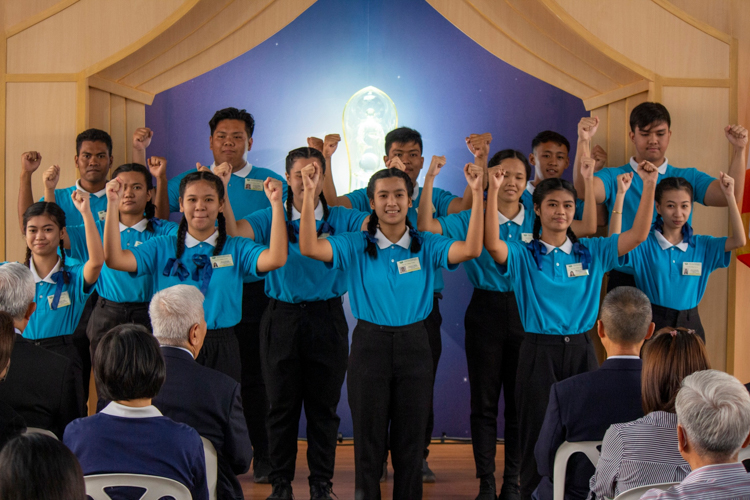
{"x":304,"y":338}
{"x":122,"y":298}
{"x":557,"y":282}
{"x":202,"y":255}
{"x":390,"y":272}
{"x":62,"y":288}
{"x":673,"y":265}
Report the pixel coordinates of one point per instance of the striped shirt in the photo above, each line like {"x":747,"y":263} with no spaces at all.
{"x":712,"y":482}
{"x":639,"y":453}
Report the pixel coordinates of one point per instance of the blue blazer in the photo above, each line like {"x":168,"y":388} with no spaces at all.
{"x":209,"y":402}
{"x":582,"y":408}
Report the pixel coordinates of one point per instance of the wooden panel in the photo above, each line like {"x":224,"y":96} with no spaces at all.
{"x":84,"y":34}
{"x":118,"y":130}
{"x":716,"y":13}
{"x":136,"y":117}
{"x":742,"y":327}
{"x":19,"y":11}
{"x":53,"y":138}
{"x":617,"y":133}
{"x":698,"y":119}
{"x":99,"y":109}
{"x":630,"y":103}
{"x":653,"y":37}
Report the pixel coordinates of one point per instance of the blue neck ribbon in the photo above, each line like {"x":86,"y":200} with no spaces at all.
{"x":415,"y":235}
{"x":175,"y":267}
{"x":203,"y":271}
{"x":687,"y":230}
{"x":59,"y":279}
{"x":155,"y":221}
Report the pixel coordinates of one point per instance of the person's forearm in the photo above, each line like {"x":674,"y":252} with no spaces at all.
{"x":424,"y":214}
{"x":737,"y":170}
{"x":642,"y":223}
{"x":139,"y":156}
{"x":162,"y":198}
{"x":475,"y":233}
{"x":112,"y":243}
{"x":329,"y":189}
{"x":25,"y":196}
{"x":229,"y":219}
{"x":587,"y":227}
{"x":491,"y":223}
{"x":94,"y":264}
{"x":615,"y":219}
{"x":738,"y":238}
{"x":308,"y":236}
{"x":278,"y":243}
{"x":583,"y":148}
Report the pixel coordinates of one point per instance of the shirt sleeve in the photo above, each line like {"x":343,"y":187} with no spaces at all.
{"x":260,"y":221}
{"x":352,"y":220}
{"x":579,"y":210}
{"x":81,"y":292}
{"x":608,"y":177}
{"x":515,"y":260}
{"x":344,"y":247}
{"x":247,"y":253}
{"x":604,"y":251}
{"x":173,"y":187}
{"x":714,"y":256}
{"x":441,"y":199}
{"x":78,"y":248}
{"x":359,"y":201}
{"x":146,"y":257}
{"x":167,"y":228}
{"x":455,"y":226}
{"x":604,"y":481}
{"x":700,"y":182}
{"x":437,"y":248}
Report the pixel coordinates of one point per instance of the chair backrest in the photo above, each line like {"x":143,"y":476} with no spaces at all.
{"x":212,"y":467}
{"x":37,"y":430}
{"x":637,"y":493}
{"x":589,"y":448}
{"x":156,"y":487}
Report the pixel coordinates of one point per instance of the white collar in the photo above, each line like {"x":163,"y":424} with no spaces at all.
{"x":530,"y":187}
{"x":665,"y":244}
{"x":19,"y":332}
{"x":662,"y":168}
{"x":190,"y":242}
{"x":518,"y":219}
{"x":624,"y":356}
{"x":118,"y":410}
{"x":180,"y":348}
{"x":243,"y":172}
{"x":318,"y":212}
{"x":48,"y":278}
{"x":98,"y":194}
{"x":565,"y":247}
{"x":384,"y":242}
{"x":416,"y":192}
{"x":139,"y":226}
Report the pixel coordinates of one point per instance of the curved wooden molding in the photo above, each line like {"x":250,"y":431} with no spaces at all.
{"x":39,"y":17}
{"x":704,"y":27}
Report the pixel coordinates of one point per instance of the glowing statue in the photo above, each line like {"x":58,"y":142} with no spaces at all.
{"x":368,"y":116}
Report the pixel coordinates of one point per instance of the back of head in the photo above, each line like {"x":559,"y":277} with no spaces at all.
{"x":672,"y":355}
{"x":714,"y":409}
{"x":39,"y":467}
{"x":549,"y":136}
{"x":626,"y":315}
{"x":94,"y":135}
{"x":233,"y":114}
{"x":128,"y":364}
{"x":16,"y":289}
{"x":649,"y":113}
{"x":505,"y":154}
{"x":174,"y":311}
{"x":402,"y":135}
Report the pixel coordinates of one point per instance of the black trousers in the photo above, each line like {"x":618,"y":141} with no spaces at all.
{"x":544,"y":360}
{"x":494,"y":334}
{"x":617,"y":278}
{"x":664,"y":316}
{"x":107,"y":314}
{"x":221,"y":352}
{"x":81,"y":344}
{"x":64,"y":345}
{"x":304,"y":349}
{"x":254,"y":398}
{"x":389,"y":379}
{"x":432,"y":324}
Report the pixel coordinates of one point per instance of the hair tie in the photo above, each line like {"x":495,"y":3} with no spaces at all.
{"x":291,"y":231}
{"x":155,"y":221}
{"x":673,"y":333}
{"x":370,"y":237}
{"x":415,"y":235}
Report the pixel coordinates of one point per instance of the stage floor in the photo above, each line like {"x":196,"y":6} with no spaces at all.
{"x":453,"y":465}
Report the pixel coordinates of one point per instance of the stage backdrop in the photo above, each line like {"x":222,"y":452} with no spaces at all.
{"x":297,"y":83}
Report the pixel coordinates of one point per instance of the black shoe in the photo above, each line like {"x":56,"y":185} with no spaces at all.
{"x":487,"y":490}
{"x":510,"y":491}
{"x":384,"y":475}
{"x":282,"y":490}
{"x":427,"y":475}
{"x":321,"y":491}
{"x":261,"y":469}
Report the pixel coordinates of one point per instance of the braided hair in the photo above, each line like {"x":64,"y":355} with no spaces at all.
{"x":540,"y":193}
{"x":150,"y":210}
{"x":293,"y":156}
{"x":56,"y":215}
{"x":372,"y":224}
{"x":209,"y":177}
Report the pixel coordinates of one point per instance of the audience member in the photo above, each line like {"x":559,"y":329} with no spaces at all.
{"x":205,"y":399}
{"x":130,"y":435}
{"x":645,"y":451}
{"x":713,"y":423}
{"x":583,"y":407}
{"x":40,"y":386}
{"x":39,"y":467}
{"x":11,"y":423}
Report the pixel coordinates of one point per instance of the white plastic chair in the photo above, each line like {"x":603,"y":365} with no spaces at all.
{"x":637,"y":493}
{"x":156,"y":487}
{"x":589,"y":448}
{"x":212,"y":467}
{"x":37,"y":430}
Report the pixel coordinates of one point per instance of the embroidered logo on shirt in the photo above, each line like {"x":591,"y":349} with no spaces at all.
{"x":692,"y":268}
{"x":218,"y":261}
{"x":408,"y":265}
{"x":138,"y":243}
{"x":254,"y":184}
{"x":64,"y":300}
{"x":576,"y":270}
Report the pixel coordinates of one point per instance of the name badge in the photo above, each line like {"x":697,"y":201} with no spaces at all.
{"x":102,"y":215}
{"x":692,"y":268}
{"x":138,"y":243}
{"x":64,"y":300}
{"x":218,"y":261}
{"x":408,"y":265}
{"x":434,"y":210}
{"x":576,"y":270}
{"x":254,"y":184}
{"x":527,"y":237}
{"x":324,"y":236}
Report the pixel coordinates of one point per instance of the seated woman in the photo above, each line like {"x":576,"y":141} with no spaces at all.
{"x":130,"y":435}
{"x":39,"y":467}
{"x":645,"y":451}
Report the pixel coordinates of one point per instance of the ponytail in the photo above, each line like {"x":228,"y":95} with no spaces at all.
{"x":181,"y":232}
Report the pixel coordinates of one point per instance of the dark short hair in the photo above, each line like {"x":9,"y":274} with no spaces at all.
{"x":39,"y":467}
{"x":672,"y":184}
{"x":128,"y":364}
{"x":549,"y":136}
{"x":649,"y":113}
{"x":387,"y":173}
{"x":233,"y":114}
{"x":505,"y":154}
{"x":305,"y":152}
{"x":669,"y":357}
{"x":7,"y":339}
{"x":403,"y":135}
{"x":626,"y":314}
{"x":93,"y":135}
